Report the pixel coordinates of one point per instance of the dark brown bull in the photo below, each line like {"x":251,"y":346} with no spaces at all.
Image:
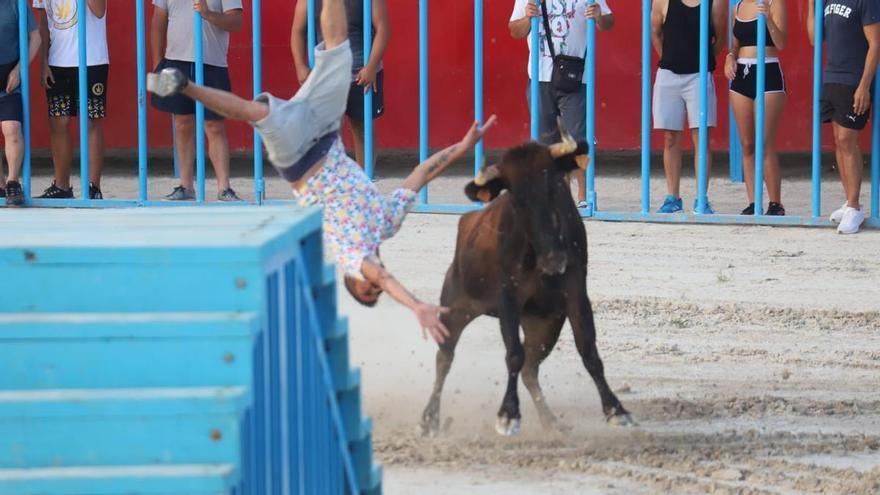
{"x":523,"y":259}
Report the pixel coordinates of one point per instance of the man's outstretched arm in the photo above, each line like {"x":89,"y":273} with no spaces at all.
{"x":427,"y":314}
{"x":431,"y":168}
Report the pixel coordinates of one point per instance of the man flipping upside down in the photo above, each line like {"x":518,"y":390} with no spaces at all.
{"x":301,"y":136}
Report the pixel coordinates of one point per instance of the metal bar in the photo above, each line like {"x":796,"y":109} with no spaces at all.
{"x":591,"y":111}
{"x":311,"y":34}
{"x":257,"y":56}
{"x":23,"y":52}
{"x":368,"y":96}
{"x":703,"y":147}
{"x":760,"y":87}
{"x":734,"y":145}
{"x":875,"y":153}
{"x":534,"y":79}
{"x":423,"y":90}
{"x":141,"y":99}
{"x":646,"y":106}
{"x":478,"y":80}
{"x":200,"y":109}
{"x":82,"y":6}
{"x":817,"y":114}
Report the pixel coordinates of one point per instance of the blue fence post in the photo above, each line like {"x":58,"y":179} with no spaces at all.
{"x":200,"y":110}
{"x":141,"y":99}
{"x":368,"y":96}
{"x":311,"y":34}
{"x":257,"y":55}
{"x":423,"y":90}
{"x":591,"y":111}
{"x":759,"y":113}
{"x":82,"y":6}
{"x":534,"y":78}
{"x":734,"y":145}
{"x":817,"y":114}
{"x":703,"y":147}
{"x":478,"y":79}
{"x":875,"y":154}
{"x":646,"y":106}
{"x":23,"y":52}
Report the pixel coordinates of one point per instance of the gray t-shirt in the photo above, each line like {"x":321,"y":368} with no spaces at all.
{"x":180,"y":46}
{"x":9,"y":32}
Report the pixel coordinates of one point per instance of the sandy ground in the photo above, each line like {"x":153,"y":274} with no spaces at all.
{"x":750,"y":356}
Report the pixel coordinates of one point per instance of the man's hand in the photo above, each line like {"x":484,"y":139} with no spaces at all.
{"x":201,"y":7}
{"x":532,"y":10}
{"x":475,"y":133}
{"x":14,"y":79}
{"x":861,"y":100}
{"x":763,"y":8}
{"x":429,"y":320}
{"x":366,"y":77}
{"x":46,"y":76}
{"x":593,"y":12}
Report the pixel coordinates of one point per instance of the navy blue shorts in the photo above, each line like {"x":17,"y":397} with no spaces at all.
{"x":10,"y":104}
{"x":355,"y":107}
{"x":215,"y":77}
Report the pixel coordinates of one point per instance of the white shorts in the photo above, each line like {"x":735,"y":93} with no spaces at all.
{"x":677,"y":95}
{"x":293,"y":126}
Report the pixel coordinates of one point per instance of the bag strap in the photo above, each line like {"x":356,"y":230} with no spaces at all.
{"x":547,"y":29}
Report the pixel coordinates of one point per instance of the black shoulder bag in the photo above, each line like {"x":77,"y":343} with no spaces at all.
{"x":568,"y":71}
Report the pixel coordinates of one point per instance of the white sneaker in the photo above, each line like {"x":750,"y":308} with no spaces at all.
{"x":852,"y":219}
{"x":168,"y":82}
{"x":837,"y":215}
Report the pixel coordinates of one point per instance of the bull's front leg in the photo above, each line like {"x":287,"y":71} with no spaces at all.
{"x":508,"y":422}
{"x":580,"y":313}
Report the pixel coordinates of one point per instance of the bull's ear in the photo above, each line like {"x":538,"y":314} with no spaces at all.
{"x":486,"y":192}
{"x":580,"y":158}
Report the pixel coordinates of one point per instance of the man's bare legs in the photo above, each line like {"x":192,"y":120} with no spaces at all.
{"x":185,"y":148}
{"x":227,"y":104}
{"x":14,"y":143}
{"x":847,"y":142}
{"x":62,"y":154}
{"x":96,"y":152}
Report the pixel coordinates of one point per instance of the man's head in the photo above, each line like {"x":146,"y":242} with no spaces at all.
{"x":363,"y":291}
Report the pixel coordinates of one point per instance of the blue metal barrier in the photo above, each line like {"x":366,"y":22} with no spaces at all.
{"x":23,"y":52}
{"x":423,"y":90}
{"x":82,"y":6}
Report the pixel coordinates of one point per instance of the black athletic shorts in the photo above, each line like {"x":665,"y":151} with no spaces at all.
{"x":215,"y":77}
{"x":836,"y":105}
{"x":355,"y":107}
{"x":10,"y":103}
{"x":63,"y":95}
{"x":746,"y":80}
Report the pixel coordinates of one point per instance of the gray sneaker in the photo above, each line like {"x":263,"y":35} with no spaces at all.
{"x":228,"y":195}
{"x":168,"y":82}
{"x":181,"y":193}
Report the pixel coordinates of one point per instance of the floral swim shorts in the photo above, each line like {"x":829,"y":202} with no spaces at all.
{"x":357,"y":218}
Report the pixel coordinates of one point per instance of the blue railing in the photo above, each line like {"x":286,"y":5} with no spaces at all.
{"x":645,"y":212}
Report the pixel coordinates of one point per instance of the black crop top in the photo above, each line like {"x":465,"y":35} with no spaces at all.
{"x":746,"y":32}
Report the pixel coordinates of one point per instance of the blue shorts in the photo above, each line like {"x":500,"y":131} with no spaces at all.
{"x":10,"y":103}
{"x":215,"y":77}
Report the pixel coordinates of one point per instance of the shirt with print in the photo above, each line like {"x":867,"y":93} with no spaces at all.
{"x":847,"y":46}
{"x":180,"y":46}
{"x":62,"y":17}
{"x":569,"y":31}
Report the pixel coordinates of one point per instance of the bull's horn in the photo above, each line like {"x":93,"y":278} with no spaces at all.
{"x":486,"y":175}
{"x":566,"y":146}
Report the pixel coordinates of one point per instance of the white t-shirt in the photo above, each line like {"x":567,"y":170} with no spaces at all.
{"x":569,"y":31}
{"x":63,"y":37}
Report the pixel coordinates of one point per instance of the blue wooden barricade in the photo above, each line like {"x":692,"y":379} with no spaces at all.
{"x":176,"y":351}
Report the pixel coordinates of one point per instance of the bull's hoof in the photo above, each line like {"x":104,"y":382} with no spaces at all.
{"x":429,"y":429}
{"x":507,"y":427}
{"x":622,"y":420}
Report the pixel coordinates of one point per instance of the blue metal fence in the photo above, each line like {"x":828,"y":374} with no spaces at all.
{"x":593,"y":210}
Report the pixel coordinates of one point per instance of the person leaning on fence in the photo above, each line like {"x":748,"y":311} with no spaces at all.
{"x":171,"y":42}
{"x":852,"y":47}
{"x":740,"y":67}
{"x":675,"y":34}
{"x":11,"y":112}
{"x":567,"y":21}
{"x":302,"y":139}
{"x":60,"y":77}
{"x":365,"y":77}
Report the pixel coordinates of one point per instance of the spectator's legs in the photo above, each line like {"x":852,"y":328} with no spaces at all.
{"x":62,"y":154}
{"x":850,"y":165}
{"x":96,"y":152}
{"x":357,"y":133}
{"x":218,"y":150}
{"x":744,"y":113}
{"x":14,"y":144}
{"x":548,"y":132}
{"x":334,"y":24}
{"x":185,"y":147}
{"x":571,"y":108}
{"x":774,"y":103}
{"x":672,"y":161}
{"x":695,"y":136}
